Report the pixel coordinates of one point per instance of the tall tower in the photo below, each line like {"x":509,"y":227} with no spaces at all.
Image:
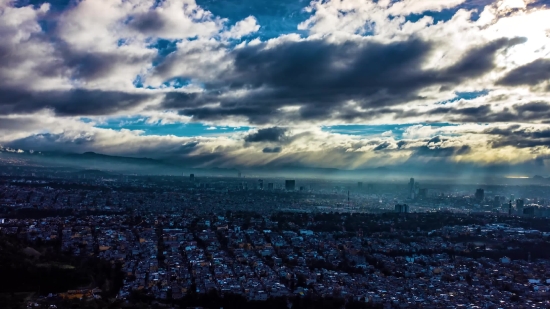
{"x":411,"y":188}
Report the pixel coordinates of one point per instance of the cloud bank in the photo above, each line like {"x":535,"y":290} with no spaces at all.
{"x":357,"y":84}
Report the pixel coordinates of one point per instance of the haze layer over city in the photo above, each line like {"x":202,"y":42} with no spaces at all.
{"x":274,"y":154}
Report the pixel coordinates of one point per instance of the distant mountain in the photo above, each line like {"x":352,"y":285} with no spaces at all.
{"x":540,"y":178}
{"x":90,"y":161}
{"x":436,"y":170}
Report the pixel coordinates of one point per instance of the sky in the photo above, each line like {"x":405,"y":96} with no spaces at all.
{"x":347,"y":84}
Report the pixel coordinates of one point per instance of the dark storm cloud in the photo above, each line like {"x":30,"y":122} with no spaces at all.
{"x":433,"y":148}
{"x":322,"y":77}
{"x":519,"y":137}
{"x":272,"y":150}
{"x":66,"y":61}
{"x":148,"y":22}
{"x":54,"y":142}
{"x":187,"y":148}
{"x":94,"y":66}
{"x":481,"y":60}
{"x":382,"y":146}
{"x":68,"y":103}
{"x":86,"y":142}
{"x":533,"y":109}
{"x":426,"y":151}
{"x":528,"y":112}
{"x":478,"y":112}
{"x":275,"y":134}
{"x":530,"y":74}
{"x":401,"y":144}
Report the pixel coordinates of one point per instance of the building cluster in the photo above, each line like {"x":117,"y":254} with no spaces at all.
{"x":173,"y":241}
{"x":204,"y":195}
{"x":168,"y":257}
{"x":48,"y":198}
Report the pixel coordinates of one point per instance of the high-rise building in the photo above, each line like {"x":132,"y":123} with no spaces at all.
{"x":496,"y":201}
{"x":261,"y":184}
{"x":520,"y":203}
{"x":192,"y":177}
{"x":480,"y":195}
{"x":411,"y":189}
{"x":423,"y":193}
{"x":290,"y":185}
{"x":360,"y":185}
{"x":270,"y":186}
{"x":398,"y":208}
{"x":402,"y":208}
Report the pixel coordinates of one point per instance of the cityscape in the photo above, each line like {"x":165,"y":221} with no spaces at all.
{"x":274,"y":154}
{"x":187,"y":240}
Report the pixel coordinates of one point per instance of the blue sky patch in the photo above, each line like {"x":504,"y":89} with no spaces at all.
{"x":177,"y":82}
{"x":177,"y":129}
{"x":138,"y":83}
{"x":447,"y":14}
{"x":55,"y":5}
{"x":371,"y":130}
{"x":274,"y":17}
{"x":443,"y":16}
{"x":466,"y":96}
{"x":164,"y":48}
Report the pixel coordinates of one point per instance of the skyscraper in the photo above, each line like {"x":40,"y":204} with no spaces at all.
{"x":520,"y":203}
{"x":411,"y":188}
{"x":290,"y":185}
{"x":480,"y":195}
{"x":261,"y":184}
{"x":270,"y":186}
{"x":192,"y":177}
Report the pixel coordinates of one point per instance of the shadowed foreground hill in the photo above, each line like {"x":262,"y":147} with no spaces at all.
{"x":41,"y":269}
